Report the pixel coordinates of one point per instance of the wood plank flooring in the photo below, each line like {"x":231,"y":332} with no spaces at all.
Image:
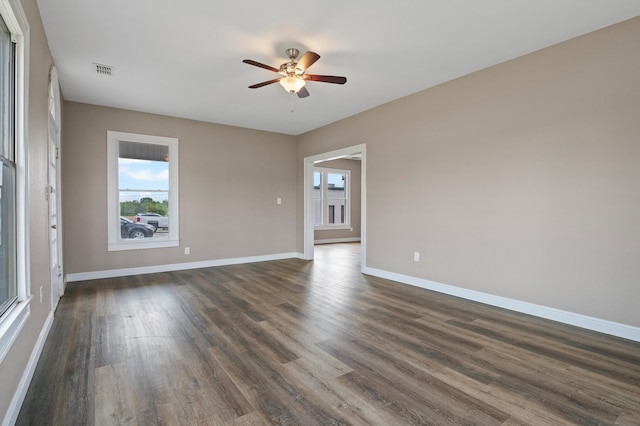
{"x":296,"y":342}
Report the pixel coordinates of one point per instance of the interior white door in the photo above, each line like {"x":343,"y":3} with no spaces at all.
{"x":54,"y":232}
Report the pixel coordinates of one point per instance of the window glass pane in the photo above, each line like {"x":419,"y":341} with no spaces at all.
{"x":8,"y":286}
{"x":336,"y":196}
{"x":331,"y":197}
{"x":8,"y":283}
{"x":317,"y":197}
{"x":6,"y":92}
{"x":143,"y":187}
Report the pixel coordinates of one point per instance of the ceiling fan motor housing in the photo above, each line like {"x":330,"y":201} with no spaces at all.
{"x":290,"y":69}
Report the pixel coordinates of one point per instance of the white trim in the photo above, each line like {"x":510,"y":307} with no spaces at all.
{"x":333,"y":227}
{"x":308,"y":215}
{"x":578,"y":320}
{"x":22,"y":155}
{"x":11,"y":416}
{"x":12,"y":325}
{"x":16,"y":20}
{"x":115,"y":243}
{"x":113,"y":273}
{"x":142,"y":243}
{"x":309,"y":209}
{"x":338,"y":240}
{"x":54,"y":83}
{"x":54,"y":98}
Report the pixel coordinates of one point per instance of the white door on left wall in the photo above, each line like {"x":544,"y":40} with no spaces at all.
{"x":54,"y":245}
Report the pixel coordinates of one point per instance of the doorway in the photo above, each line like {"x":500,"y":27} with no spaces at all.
{"x":309,"y":206}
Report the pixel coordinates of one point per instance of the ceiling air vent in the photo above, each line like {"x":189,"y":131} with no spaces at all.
{"x":101,"y":69}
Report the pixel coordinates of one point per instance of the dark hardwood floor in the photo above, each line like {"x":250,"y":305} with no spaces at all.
{"x":296,"y":342}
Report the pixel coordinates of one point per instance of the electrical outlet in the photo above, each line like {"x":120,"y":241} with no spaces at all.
{"x":187,"y":250}
{"x":278,"y":200}
{"x":416,"y":256}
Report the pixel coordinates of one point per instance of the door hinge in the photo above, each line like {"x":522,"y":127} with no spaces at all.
{"x":57,"y":152}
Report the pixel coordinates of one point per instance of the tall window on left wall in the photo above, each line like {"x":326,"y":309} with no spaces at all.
{"x":15,"y":292}
{"x":8,"y":251}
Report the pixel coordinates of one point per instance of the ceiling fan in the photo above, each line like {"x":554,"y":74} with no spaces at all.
{"x":294,"y":78}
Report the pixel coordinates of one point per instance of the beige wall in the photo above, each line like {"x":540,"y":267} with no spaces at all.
{"x":521,"y":180}
{"x":354,"y":232}
{"x":40,"y":61}
{"x":229,"y":181}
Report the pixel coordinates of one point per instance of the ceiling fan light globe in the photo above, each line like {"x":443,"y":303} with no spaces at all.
{"x":292,"y":84}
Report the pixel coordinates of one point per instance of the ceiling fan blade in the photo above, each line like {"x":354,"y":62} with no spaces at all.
{"x":307,"y":60}
{"x":326,"y":78}
{"x":303,"y":93}
{"x":258,"y":64}
{"x":264,"y":83}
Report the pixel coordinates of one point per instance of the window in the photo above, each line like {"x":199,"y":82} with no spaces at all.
{"x":14,"y":233}
{"x":143,"y":191}
{"x":331,"y":198}
{"x":8,"y":284}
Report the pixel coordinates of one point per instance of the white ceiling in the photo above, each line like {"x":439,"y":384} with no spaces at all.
{"x":184,"y":58}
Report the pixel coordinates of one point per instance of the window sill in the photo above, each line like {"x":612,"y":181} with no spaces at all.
{"x":139,"y":245}
{"x":11,"y":325}
{"x":332,"y":227}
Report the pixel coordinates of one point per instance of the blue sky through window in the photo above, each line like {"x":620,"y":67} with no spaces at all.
{"x":332,"y":178}
{"x":143,"y":178}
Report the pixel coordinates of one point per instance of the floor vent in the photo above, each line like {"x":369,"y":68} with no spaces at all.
{"x":102,"y":69}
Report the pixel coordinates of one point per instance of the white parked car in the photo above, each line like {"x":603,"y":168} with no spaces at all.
{"x":153,"y":219}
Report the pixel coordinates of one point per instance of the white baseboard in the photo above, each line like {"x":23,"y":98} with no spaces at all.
{"x":337,"y":240}
{"x":18,"y":397}
{"x":578,"y":320}
{"x":112,"y":273}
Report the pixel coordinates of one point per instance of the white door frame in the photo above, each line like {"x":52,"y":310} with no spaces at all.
{"x":309,"y":163}
{"x":54,"y":189}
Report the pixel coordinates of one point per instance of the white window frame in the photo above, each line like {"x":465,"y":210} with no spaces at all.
{"x":115,"y":243}
{"x":325,"y":206}
{"x":14,"y":319}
